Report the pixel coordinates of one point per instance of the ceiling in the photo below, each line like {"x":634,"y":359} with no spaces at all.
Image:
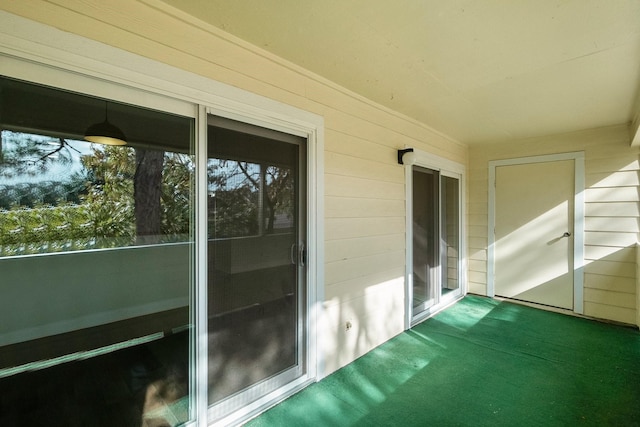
{"x":477,"y":71}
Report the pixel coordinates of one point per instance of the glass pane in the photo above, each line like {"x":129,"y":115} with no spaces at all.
{"x":95,"y":255}
{"x":425,"y":229}
{"x":450,"y":234}
{"x":255,"y":286}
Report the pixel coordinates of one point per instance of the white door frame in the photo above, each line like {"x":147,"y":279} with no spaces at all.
{"x":578,"y":220}
{"x":451,"y":169}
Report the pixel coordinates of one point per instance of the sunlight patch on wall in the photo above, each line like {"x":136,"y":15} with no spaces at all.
{"x":356,"y":323}
{"x":542,"y":269}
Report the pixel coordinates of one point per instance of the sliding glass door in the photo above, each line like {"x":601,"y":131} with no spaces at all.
{"x":435,"y":213}
{"x":156,"y":272}
{"x":96,"y":261}
{"x":102,"y":315}
{"x":256,"y":262}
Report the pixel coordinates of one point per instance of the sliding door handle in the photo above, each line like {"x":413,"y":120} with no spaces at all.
{"x":302,"y":255}
{"x":298,"y":254}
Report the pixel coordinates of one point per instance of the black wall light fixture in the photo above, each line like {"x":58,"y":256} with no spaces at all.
{"x":105,"y":133}
{"x":408,"y":160}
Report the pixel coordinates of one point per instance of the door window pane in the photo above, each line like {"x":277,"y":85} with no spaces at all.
{"x":256,"y":271}
{"x":425,"y":238}
{"x":96,"y":262}
{"x":450,"y":234}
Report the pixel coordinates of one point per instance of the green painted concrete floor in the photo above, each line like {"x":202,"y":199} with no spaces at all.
{"x":482,"y":362}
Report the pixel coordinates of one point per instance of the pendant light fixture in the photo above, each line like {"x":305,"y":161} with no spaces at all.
{"x":105,"y":133}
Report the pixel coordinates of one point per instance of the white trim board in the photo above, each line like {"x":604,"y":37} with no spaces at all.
{"x":578,"y":225}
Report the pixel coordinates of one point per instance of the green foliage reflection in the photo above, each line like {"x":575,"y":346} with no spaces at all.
{"x":60,"y":195}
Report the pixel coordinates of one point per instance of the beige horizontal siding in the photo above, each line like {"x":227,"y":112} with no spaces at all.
{"x":622,"y":209}
{"x":354,"y":268}
{"x":359,"y":286}
{"x":381,"y":298}
{"x":477,"y":208}
{"x":610,"y":253}
{"x":611,"y":268}
{"x":478,"y":266}
{"x":479,"y":231}
{"x":349,"y":228}
{"x":610,"y":238}
{"x":610,"y":283}
{"x":609,"y":164}
{"x":612,"y":194}
{"x":613,"y":179}
{"x":343,"y":249}
{"x":480,"y":254}
{"x":610,"y":312}
{"x":356,"y":146}
{"x":477,"y":217}
{"x":347,"y":207}
{"x":478,"y":221}
{"x":340,"y":164}
{"x":611,"y":223}
{"x":611,"y":231}
{"x":610,"y":298}
{"x":348,"y":186}
{"x":477,"y":242}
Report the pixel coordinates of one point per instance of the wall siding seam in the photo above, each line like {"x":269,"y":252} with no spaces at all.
{"x":627,"y":307}
{"x":362,"y":292}
{"x":346,"y":239}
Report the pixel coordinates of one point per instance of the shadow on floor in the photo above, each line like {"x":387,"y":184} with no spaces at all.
{"x":482,"y":362}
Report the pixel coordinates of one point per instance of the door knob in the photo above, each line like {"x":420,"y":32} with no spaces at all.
{"x":566,"y":234}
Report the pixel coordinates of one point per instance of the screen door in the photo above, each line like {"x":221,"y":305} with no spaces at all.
{"x":256,"y":262}
{"x":426,"y":266}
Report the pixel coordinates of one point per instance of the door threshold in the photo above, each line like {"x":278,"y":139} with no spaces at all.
{"x":538,"y":305}
{"x":566,"y":311}
{"x":433,"y":310}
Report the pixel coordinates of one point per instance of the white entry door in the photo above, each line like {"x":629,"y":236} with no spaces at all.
{"x":534,"y":232}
